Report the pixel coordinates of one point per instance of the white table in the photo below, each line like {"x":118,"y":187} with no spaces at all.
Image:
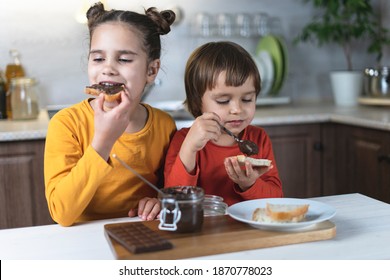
{"x":363,"y":232}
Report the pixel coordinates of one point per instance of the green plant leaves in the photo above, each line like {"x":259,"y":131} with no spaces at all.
{"x":342,"y":22}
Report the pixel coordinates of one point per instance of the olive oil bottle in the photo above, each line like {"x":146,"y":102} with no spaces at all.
{"x":3,"y":97}
{"x":13,"y":70}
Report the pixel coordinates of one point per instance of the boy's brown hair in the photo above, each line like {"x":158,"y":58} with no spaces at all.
{"x":207,"y":62}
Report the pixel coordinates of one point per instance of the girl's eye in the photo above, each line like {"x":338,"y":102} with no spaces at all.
{"x":97,"y":59}
{"x":247,"y":100}
{"x":125,"y":60}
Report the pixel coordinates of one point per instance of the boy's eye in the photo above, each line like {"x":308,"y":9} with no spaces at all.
{"x":222,"y":101}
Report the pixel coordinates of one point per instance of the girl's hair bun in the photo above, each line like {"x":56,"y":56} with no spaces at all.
{"x":163,"y":19}
{"x":94,"y":12}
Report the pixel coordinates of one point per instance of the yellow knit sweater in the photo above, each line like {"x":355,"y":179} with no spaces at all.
{"x":80,"y":185}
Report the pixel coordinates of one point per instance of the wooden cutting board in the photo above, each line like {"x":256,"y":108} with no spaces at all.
{"x":222,"y":234}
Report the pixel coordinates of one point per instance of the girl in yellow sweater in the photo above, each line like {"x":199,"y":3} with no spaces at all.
{"x":82,"y":181}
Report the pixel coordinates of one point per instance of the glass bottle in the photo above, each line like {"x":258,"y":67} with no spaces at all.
{"x":24,"y":99}
{"x":13,"y":70}
{"x":3,"y":97}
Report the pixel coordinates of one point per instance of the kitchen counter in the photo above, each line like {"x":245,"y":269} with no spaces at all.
{"x":24,"y":129}
{"x":365,"y":116}
{"x":362,"y":232}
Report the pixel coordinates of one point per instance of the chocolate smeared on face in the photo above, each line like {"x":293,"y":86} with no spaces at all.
{"x":109,"y":89}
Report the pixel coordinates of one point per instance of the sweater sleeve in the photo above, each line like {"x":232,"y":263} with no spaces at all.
{"x":175,"y":173}
{"x":72,"y":174}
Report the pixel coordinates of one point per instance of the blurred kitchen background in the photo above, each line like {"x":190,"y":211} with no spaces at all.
{"x":53,"y":44}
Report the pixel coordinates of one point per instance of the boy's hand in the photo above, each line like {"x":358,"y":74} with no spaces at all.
{"x":204,"y":129}
{"x":244,"y":176}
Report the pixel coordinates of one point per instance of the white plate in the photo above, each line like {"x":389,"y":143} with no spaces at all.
{"x":318,"y":212}
{"x":267,"y":77}
{"x":265,"y":84}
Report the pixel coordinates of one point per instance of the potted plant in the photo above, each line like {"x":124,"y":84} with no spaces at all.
{"x":344,"y":22}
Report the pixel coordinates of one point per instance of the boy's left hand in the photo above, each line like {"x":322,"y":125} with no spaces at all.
{"x":246,"y":176}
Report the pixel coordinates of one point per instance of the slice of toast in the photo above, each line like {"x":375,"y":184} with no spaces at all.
{"x":254,"y":161}
{"x":281,"y":213}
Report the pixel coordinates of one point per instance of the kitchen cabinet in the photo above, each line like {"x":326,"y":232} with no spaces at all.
{"x":22,"y":190}
{"x":298,"y":155}
{"x":330,"y":159}
{"x":362,"y":161}
{"x":314,"y":159}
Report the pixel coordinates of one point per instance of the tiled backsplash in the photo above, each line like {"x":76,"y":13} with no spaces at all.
{"x":53,"y":45}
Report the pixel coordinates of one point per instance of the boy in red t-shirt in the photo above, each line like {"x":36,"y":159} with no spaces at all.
{"x":222,"y":83}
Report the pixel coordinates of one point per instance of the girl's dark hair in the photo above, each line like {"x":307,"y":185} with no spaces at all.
{"x":149,"y":26}
{"x":207,"y":62}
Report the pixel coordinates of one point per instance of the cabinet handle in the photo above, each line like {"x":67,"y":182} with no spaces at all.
{"x":318,"y":146}
{"x":384,"y":158}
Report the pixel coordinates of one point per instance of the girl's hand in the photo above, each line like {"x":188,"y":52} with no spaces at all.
{"x":148,"y":209}
{"x":246,"y":176}
{"x":110,"y":124}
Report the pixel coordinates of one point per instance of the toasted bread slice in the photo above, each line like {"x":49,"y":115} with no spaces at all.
{"x":254,"y":161}
{"x":286,"y":212}
{"x":281,"y":213}
{"x":259,"y":215}
{"x":111,"y":93}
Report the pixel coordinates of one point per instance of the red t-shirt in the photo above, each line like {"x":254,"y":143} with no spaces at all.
{"x":210,"y":170}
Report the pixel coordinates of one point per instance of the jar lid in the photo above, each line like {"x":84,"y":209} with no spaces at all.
{"x":23,"y":81}
{"x":185,"y":192}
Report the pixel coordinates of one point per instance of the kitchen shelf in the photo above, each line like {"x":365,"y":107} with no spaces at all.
{"x":374,"y":101}
{"x":277,"y":100}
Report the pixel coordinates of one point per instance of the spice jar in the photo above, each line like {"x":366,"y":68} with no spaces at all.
{"x":182,"y":209}
{"x":23,"y":98}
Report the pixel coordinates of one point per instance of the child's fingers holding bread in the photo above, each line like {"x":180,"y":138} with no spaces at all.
{"x":253,"y":161}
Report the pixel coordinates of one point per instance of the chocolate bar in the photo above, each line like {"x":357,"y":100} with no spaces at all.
{"x":137,"y":238}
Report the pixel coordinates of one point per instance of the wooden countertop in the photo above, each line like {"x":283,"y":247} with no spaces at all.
{"x":363,"y":232}
{"x":377,"y":117}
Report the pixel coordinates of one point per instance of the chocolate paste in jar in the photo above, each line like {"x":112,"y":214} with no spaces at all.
{"x":190,"y":201}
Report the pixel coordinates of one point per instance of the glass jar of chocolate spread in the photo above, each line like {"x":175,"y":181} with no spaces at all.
{"x":181,"y":209}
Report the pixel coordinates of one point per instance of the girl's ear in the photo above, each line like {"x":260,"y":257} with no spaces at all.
{"x":153,"y":69}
